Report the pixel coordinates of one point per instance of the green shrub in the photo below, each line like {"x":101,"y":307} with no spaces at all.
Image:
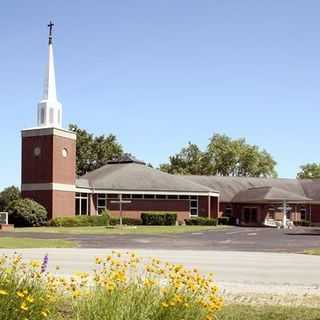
{"x":303,"y":223}
{"x":89,"y":221}
{"x":199,"y":221}
{"x":224,"y":220}
{"x":126,"y":221}
{"x":81,"y":221}
{"x":158,"y":218}
{"x":27,"y":213}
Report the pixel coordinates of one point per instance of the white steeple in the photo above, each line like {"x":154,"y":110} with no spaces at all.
{"x":49,"y":108}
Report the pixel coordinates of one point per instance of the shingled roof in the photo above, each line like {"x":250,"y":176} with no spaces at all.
{"x":134,"y":176}
{"x":267,"y":194}
{"x":230,"y":187}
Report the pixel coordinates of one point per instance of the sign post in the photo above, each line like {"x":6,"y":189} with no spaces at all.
{"x":120,"y":202}
{"x":4,"y":218}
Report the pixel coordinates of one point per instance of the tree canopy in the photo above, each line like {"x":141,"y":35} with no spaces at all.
{"x":7,"y":196}
{"x":309,"y":171}
{"x":94,"y":151}
{"x":223,"y":156}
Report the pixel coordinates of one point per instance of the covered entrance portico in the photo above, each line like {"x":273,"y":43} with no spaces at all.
{"x":268,"y":206}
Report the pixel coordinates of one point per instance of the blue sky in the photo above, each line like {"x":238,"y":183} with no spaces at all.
{"x":158,"y":74}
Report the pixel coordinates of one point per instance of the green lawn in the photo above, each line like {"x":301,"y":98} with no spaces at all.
{"x":20,"y":243}
{"x":124,"y":230}
{"x":246,"y":312}
{"x":314,"y":252}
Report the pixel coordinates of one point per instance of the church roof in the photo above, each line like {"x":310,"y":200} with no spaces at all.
{"x":233,"y":189}
{"x":134,"y":176}
{"x":229,"y":187}
{"x":267,"y":194}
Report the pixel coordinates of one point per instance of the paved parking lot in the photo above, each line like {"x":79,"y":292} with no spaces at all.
{"x":229,"y":239}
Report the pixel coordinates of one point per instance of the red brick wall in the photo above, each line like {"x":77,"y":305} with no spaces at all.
{"x":181,"y":215}
{"x":315,"y":213}
{"x":203,"y":203}
{"x":50,"y":166}
{"x":152,"y":205}
{"x":64,"y":169}
{"x":57,"y":203}
{"x":137,"y":206}
{"x":44,"y":197}
{"x":63,"y":204}
{"x":37,"y":169}
{"x":181,"y":207}
{"x":214,"y":207}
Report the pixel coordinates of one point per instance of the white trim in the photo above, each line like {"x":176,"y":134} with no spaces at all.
{"x":48,"y":131}
{"x":73,"y":188}
{"x":48,"y":186}
{"x":214,"y":194}
{"x":179,"y":193}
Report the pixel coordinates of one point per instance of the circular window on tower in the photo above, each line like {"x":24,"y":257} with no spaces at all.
{"x":64,"y":152}
{"x":37,"y":152}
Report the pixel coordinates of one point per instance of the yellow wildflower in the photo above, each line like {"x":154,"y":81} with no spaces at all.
{"x":24,"y":306}
{"x":3,"y":293}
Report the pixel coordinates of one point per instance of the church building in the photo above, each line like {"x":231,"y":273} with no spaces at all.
{"x":127,"y":184}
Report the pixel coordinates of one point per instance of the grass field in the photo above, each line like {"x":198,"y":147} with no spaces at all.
{"x":314,"y":252}
{"x":123,"y":230}
{"x":20,"y":243}
{"x":244,"y":312}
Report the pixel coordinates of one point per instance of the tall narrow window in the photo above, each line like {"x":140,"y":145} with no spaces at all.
{"x":43,"y":115}
{"x":194,"y":205}
{"x":82,"y":202}
{"x":101,"y":203}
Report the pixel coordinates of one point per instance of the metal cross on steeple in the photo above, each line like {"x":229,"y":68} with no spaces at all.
{"x":50,"y":26}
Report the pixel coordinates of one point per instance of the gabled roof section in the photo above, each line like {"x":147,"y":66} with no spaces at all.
{"x":133,"y":176}
{"x":229,"y":187}
{"x":267,"y":194}
{"x":311,"y":188}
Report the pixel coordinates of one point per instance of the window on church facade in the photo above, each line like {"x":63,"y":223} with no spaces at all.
{"x":101,"y":203}
{"x":194,"y":205}
{"x":82,"y":204}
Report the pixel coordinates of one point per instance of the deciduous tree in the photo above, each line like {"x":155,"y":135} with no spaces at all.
{"x":94,"y":151}
{"x":8,"y":195}
{"x":224,"y":156}
{"x":309,"y":171}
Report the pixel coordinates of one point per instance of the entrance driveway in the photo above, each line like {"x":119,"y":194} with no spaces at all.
{"x":229,"y":239}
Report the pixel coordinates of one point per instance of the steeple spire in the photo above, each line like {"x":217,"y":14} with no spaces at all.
{"x":49,"y":108}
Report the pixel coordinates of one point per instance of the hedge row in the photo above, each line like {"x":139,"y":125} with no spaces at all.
{"x":80,"y":221}
{"x":159,"y":218}
{"x":199,"y":221}
{"x":303,"y":223}
{"x":90,"y":221}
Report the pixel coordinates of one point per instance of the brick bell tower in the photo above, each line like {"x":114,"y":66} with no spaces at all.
{"x":49,"y":153}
